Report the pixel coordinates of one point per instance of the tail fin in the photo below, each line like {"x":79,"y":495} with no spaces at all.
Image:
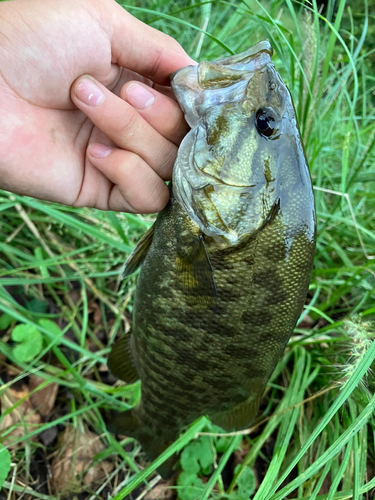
{"x":153,"y":444}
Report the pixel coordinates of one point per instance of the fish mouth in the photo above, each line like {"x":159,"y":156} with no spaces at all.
{"x":222,"y":72}
{"x":242,"y":59}
{"x":247,"y":55}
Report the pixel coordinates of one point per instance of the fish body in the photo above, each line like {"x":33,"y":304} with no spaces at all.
{"x":226,"y":267}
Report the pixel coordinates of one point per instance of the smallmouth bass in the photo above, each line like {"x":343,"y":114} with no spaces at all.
{"x":226,"y":267}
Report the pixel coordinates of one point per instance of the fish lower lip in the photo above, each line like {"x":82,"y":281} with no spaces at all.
{"x":220,"y":182}
{"x":231,"y":186}
{"x":239,"y":186}
{"x":236,"y":186}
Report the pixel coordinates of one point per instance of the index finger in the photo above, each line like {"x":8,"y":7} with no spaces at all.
{"x":160,"y":111}
{"x":143,"y":49}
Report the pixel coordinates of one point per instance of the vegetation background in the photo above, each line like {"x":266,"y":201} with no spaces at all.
{"x":62,"y":302}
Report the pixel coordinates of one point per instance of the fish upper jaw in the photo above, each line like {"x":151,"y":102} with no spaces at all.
{"x":201,"y":86}
{"x":186,"y":88}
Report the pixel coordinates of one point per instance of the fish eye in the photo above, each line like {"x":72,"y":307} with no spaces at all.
{"x":265,"y":122}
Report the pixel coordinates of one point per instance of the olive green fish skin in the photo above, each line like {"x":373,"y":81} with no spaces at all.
{"x":195,"y":360}
{"x":226,"y":275}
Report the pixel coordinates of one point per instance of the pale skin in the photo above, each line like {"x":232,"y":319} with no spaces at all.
{"x":86,"y":114}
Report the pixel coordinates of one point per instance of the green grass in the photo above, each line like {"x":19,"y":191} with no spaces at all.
{"x":317,"y":424}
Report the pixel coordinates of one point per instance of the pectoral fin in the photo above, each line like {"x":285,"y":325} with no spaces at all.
{"x":139,"y":253}
{"x":195,"y":271}
{"x":121,"y":359}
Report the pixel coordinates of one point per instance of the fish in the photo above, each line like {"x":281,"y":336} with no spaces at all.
{"x":225,"y":268}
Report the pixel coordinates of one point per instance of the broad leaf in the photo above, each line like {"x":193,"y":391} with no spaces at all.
{"x":31,"y":343}
{"x":4,"y":464}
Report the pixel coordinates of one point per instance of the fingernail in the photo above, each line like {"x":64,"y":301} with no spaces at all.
{"x":139,"y":97}
{"x":99,"y":150}
{"x":89,"y":93}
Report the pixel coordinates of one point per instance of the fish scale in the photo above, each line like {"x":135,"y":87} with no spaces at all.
{"x":225,"y":269}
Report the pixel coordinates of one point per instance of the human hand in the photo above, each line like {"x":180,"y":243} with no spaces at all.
{"x":48,"y":148}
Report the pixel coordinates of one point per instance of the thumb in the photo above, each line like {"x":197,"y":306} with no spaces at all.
{"x":143,"y":49}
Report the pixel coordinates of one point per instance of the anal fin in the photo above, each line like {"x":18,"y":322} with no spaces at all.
{"x":121,"y":360}
{"x":239,"y":417}
{"x":125,"y":423}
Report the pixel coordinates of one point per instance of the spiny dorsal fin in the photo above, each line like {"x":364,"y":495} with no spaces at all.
{"x":121,"y":360}
{"x":139,"y":253}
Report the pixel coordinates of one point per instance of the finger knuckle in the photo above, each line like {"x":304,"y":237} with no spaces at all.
{"x":163,"y":52}
{"x":130,"y":124}
{"x":167,"y":162}
{"x":157,"y":201}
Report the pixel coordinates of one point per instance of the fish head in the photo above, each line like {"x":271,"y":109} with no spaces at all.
{"x":244,"y":148}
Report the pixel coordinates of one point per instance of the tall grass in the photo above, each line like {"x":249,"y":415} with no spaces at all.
{"x":317,"y":414}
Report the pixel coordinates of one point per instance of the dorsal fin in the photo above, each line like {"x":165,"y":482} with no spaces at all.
{"x":139,"y":253}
